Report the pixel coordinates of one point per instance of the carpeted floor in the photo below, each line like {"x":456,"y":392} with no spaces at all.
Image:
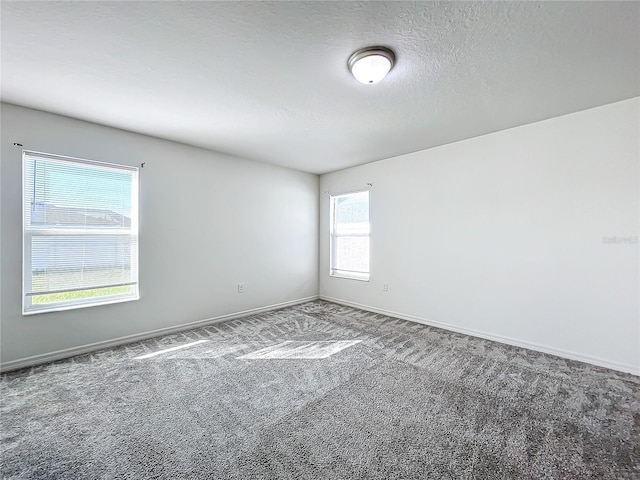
{"x":319,"y":391}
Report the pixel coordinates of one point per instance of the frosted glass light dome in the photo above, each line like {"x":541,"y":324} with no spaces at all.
{"x":371,"y":64}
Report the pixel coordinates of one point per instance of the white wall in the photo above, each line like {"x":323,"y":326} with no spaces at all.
{"x":502,"y":236}
{"x":499,"y":236}
{"x":207,"y":222}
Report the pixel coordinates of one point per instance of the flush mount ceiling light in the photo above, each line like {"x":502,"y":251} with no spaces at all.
{"x":371,"y":64}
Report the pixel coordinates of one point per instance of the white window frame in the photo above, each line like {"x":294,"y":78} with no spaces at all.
{"x":333,"y":271}
{"x":29,"y":232}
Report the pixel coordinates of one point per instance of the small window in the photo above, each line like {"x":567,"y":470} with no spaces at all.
{"x":350,"y":236}
{"x":80,"y":233}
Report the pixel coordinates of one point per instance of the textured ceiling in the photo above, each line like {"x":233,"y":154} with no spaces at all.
{"x":268,"y":81}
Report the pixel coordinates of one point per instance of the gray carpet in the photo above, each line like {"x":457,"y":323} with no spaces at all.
{"x":319,"y":391}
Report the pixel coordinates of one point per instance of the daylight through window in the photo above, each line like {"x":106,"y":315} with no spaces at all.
{"x":350,"y":235}
{"x":80,"y":234}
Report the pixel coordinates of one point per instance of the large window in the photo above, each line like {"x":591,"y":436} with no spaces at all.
{"x":80,"y":233}
{"x":350,"y":236}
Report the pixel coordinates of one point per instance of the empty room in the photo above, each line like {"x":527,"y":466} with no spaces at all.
{"x":320,"y":240}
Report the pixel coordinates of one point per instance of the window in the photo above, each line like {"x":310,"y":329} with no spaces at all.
{"x":350,"y":236}
{"x":80,"y":233}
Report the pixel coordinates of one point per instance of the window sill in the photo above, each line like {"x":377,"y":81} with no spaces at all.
{"x":73,"y":306}
{"x":360,"y":278}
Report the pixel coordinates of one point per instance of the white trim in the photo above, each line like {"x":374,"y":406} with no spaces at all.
{"x":30,"y":232}
{"x":91,"y":347}
{"x":334,"y":235}
{"x":89,"y":302}
{"x":635,"y":370}
{"x":360,"y":276}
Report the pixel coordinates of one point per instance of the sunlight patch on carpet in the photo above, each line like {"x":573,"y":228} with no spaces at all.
{"x":171,"y":349}
{"x":300,"y":350}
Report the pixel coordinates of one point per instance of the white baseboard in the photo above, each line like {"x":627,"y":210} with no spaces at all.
{"x":635,"y":370}
{"x":92,"y":347}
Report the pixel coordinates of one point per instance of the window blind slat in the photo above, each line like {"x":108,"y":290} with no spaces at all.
{"x":80,"y":289}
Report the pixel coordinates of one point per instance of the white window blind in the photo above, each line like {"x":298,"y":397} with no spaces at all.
{"x":350,"y":231}
{"x":80,"y":233}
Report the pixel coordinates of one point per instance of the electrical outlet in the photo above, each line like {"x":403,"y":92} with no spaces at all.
{"x":385,"y":287}
{"x":241,"y":288}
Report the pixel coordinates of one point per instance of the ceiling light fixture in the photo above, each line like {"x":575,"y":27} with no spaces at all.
{"x":371,"y":64}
